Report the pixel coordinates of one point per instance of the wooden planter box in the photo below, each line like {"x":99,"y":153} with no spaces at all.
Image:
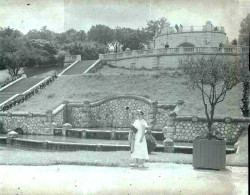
{"x":209,"y":154}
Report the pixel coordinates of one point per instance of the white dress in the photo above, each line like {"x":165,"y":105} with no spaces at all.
{"x":140,"y":148}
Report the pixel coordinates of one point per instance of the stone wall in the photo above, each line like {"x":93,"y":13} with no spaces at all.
{"x":187,"y":128}
{"x":164,"y":59}
{"x":116,"y":112}
{"x":196,"y":38}
{"x":30,"y":123}
{"x":37,"y":124}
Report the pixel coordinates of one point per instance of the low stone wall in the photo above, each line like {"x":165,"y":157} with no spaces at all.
{"x":167,"y":58}
{"x":116,"y":112}
{"x":37,"y":124}
{"x":188,"y":128}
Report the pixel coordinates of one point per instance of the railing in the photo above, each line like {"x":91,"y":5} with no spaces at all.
{"x":179,"y":50}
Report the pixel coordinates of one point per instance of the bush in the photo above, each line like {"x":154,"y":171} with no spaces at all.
{"x":151,"y":141}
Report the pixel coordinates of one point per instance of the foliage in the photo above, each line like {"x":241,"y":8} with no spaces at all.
{"x":245,"y":78}
{"x":244,"y":31}
{"x":214,"y":76}
{"x":87,"y":50}
{"x":234,"y":42}
{"x":71,"y":36}
{"x":155,"y":25}
{"x":12,"y":51}
{"x":41,"y":52}
{"x":132,"y":39}
{"x":102,"y":34}
{"x":44,"y":34}
{"x":245,"y":74}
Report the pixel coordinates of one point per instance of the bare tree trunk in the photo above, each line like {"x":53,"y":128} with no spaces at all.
{"x":245,"y":99}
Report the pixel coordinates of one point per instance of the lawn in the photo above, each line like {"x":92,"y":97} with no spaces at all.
{"x":165,"y":87}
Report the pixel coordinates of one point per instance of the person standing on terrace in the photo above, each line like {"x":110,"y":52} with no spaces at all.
{"x":139,"y":150}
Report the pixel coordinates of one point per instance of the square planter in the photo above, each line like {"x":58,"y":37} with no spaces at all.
{"x":209,"y":154}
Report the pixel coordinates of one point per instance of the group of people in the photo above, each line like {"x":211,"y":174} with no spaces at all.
{"x":138,"y":144}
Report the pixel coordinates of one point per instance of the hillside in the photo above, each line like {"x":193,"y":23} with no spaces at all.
{"x":164,"y":87}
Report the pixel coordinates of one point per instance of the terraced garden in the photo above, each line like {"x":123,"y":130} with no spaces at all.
{"x":166,"y":87}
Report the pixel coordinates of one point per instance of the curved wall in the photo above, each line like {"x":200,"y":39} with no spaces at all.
{"x":198,"y":39}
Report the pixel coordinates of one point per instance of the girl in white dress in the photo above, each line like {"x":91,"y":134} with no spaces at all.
{"x":140,"y":150}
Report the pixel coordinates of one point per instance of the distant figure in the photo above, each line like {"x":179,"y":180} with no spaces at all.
{"x":166,"y":46}
{"x":176,"y":27}
{"x":220,"y":46}
{"x":216,"y":28}
{"x":181,"y":27}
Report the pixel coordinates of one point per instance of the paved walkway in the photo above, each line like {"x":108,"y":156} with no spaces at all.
{"x":158,"y":178}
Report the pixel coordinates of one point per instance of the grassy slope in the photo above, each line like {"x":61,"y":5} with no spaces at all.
{"x":166,"y":89}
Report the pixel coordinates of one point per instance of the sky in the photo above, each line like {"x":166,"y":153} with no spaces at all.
{"x":61,"y":15}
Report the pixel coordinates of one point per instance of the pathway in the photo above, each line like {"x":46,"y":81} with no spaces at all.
{"x":158,"y":178}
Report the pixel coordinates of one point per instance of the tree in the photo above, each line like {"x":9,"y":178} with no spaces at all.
{"x":88,"y":50}
{"x":44,"y":33}
{"x":155,"y":25}
{"x":245,"y":79}
{"x":11,"y":49}
{"x":245,"y":30}
{"x":244,"y":40}
{"x":132,"y":39}
{"x":234,"y":42}
{"x":71,"y":36}
{"x":102,"y":34}
{"x":214,"y":77}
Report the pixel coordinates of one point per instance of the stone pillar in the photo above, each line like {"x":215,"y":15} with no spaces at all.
{"x":65,"y":113}
{"x":168,"y":145}
{"x":153,"y":113}
{"x":86,"y":114}
{"x":84,"y":134}
{"x":113,"y":135}
{"x":10,"y":136}
{"x":168,"y":133}
{"x":65,"y":127}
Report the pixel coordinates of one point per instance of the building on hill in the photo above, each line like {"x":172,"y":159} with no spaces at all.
{"x":193,"y":36}
{"x":170,"y":44}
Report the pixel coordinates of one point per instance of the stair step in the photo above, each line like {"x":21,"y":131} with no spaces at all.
{"x":80,"y":67}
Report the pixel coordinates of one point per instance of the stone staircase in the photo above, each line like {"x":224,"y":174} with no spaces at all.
{"x":18,"y":88}
{"x":79,"y":68}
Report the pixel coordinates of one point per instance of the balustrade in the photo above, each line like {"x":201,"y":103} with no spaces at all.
{"x":177,"y":50}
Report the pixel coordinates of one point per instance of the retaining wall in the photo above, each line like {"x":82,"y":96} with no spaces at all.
{"x":117,"y":112}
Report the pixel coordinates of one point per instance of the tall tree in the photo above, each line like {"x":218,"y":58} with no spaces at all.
{"x":244,"y":40}
{"x":214,"y":77}
{"x":155,"y":25}
{"x":245,"y":30}
{"x":44,"y":33}
{"x":102,"y":34}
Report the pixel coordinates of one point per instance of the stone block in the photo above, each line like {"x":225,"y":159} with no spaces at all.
{"x":84,"y":134}
{"x":168,"y":145}
{"x":65,"y":127}
{"x":113,"y":135}
{"x":12,"y":134}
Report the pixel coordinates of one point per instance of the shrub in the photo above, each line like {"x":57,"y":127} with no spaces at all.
{"x":151,"y":141}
